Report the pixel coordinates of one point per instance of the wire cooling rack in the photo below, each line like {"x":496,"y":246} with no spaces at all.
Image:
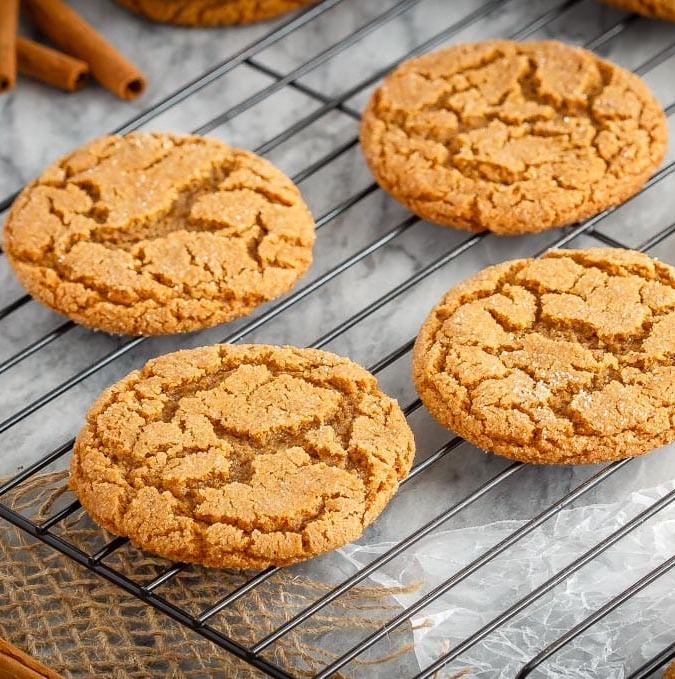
{"x":341,"y":198}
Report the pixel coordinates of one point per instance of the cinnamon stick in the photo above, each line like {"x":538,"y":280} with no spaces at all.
{"x":71,"y":33}
{"x":9,"y":16}
{"x":50,"y":66}
{"x":15,"y":664}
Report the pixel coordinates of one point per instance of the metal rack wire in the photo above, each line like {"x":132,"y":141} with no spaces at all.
{"x":200,"y":622}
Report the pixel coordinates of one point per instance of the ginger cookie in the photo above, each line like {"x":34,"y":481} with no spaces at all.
{"x":210,"y":13}
{"x":241,"y":456}
{"x":657,"y":9}
{"x":670,"y":672}
{"x":563,"y":359}
{"x":158,"y":233}
{"x":512,"y":137}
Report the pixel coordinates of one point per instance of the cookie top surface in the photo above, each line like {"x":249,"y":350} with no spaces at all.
{"x":658,"y":9}
{"x":563,"y":359}
{"x":241,"y":455}
{"x":210,"y":13}
{"x":156,"y":233}
{"x":670,"y":672}
{"x":512,"y":137}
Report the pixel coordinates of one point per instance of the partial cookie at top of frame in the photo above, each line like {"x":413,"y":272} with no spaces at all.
{"x":210,"y":13}
{"x":656,"y":9}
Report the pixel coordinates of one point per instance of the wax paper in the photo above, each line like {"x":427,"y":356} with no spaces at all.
{"x":611,"y":649}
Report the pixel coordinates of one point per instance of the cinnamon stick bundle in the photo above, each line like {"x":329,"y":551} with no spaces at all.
{"x":15,"y":664}
{"x":71,"y":33}
{"x":50,"y":66}
{"x":9,"y":16}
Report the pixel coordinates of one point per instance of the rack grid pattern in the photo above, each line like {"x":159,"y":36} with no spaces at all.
{"x":150,"y":592}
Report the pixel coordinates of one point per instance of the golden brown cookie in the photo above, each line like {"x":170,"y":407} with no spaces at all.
{"x":210,"y":12}
{"x":512,"y":137}
{"x":157,"y":233}
{"x":564,"y":359}
{"x":657,"y":9}
{"x":241,"y":455}
{"x":670,"y":672}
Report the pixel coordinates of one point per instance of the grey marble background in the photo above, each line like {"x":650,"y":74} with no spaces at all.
{"x":38,"y":124}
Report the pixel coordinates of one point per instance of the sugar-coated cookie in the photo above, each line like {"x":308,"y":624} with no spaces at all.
{"x":564,"y":359}
{"x":512,"y":137}
{"x":241,"y":455}
{"x":158,"y":233}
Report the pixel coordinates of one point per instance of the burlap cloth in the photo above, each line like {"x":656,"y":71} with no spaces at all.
{"x":82,"y":626}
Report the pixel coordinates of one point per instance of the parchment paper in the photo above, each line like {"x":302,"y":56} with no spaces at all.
{"x":642,"y":626}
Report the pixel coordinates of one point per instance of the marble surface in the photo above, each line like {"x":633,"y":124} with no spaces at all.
{"x":38,"y":124}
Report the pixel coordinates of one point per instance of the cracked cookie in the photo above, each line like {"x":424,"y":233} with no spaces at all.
{"x":564,"y":359}
{"x":670,"y":672}
{"x":512,"y":137}
{"x":210,"y":13}
{"x":657,"y":9}
{"x":241,"y":456}
{"x":157,"y":233}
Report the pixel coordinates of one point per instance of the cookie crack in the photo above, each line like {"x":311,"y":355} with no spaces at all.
{"x":267,"y":525}
{"x":341,"y":423}
{"x":177,"y":217}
